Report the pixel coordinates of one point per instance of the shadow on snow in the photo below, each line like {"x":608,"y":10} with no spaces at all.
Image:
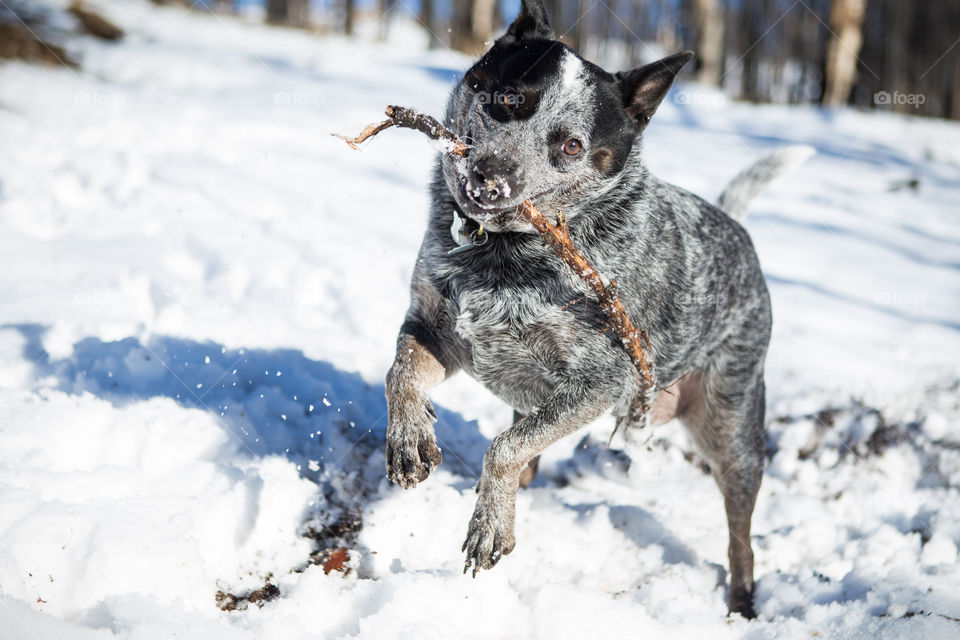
{"x":270,"y":402}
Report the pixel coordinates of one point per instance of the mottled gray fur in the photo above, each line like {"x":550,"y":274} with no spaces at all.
{"x":687,"y":274}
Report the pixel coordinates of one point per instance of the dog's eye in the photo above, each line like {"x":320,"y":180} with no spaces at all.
{"x":572,"y":147}
{"x":508,"y":98}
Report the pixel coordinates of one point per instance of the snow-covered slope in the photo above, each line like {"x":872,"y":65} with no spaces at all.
{"x":200,"y":295}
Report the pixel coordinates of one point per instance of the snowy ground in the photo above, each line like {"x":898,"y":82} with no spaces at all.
{"x":200,"y":294}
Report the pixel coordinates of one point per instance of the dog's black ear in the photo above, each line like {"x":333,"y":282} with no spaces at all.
{"x":645,"y":87}
{"x":532,"y":23}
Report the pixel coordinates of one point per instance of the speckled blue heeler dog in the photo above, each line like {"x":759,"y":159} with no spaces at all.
{"x":544,"y":124}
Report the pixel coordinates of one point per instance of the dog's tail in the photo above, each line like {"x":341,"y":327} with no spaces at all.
{"x":749,"y":182}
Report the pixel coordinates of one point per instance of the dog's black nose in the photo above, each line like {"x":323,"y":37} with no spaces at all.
{"x":492,"y":180}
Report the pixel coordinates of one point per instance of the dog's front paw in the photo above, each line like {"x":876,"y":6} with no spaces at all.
{"x":490,"y":535}
{"x":412,"y":451}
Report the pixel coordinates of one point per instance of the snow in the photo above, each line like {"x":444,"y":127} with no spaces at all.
{"x":201,"y":295}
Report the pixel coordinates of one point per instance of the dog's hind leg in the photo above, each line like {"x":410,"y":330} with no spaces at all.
{"x":529,"y":472}
{"x":726,"y":421}
{"x":739,"y":477}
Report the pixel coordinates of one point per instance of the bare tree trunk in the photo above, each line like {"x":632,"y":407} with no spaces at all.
{"x":299,"y":12}
{"x":638,"y":25}
{"x":427,"y":19}
{"x":955,"y":98}
{"x":846,"y":21}
{"x":667,"y":28}
{"x":277,"y":11}
{"x":294,"y":13}
{"x":583,"y":31}
{"x":461,"y":28}
{"x":750,"y":75}
{"x":555,"y":11}
{"x":709,"y":18}
{"x":383,"y":8}
{"x":481,"y":18}
{"x":895,"y":45}
{"x":348,"y":17}
{"x":471,"y":25}
{"x":604,"y":30}
{"x":578,"y":35}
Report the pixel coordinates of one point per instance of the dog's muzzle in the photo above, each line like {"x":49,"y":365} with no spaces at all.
{"x":490,"y":181}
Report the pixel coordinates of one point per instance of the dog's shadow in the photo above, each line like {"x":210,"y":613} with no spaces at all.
{"x":328,"y":423}
{"x":594,"y":459}
{"x":644,"y":530}
{"x":325,"y":421}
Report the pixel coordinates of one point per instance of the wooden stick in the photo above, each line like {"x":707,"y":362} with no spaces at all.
{"x":556,"y":236}
{"x":406,"y":118}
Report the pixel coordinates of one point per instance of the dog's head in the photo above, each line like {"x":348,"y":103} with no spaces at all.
{"x":544,"y":124}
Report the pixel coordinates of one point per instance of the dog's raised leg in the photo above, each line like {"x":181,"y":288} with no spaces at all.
{"x":412,"y":451}
{"x":426,"y":356}
{"x":574,"y":403}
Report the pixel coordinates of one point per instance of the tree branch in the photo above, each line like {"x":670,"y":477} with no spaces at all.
{"x":409,"y":119}
{"x":556,"y":236}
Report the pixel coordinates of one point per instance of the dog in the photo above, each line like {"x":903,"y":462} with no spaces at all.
{"x":489,"y":298}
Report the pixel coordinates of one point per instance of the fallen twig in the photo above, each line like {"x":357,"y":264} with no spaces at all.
{"x":94,"y":23}
{"x":556,"y":236}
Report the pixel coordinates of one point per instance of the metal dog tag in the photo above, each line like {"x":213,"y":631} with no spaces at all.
{"x":477,"y":238}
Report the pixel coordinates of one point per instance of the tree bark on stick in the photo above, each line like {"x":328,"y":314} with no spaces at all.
{"x":407,"y":118}
{"x":556,"y":236}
